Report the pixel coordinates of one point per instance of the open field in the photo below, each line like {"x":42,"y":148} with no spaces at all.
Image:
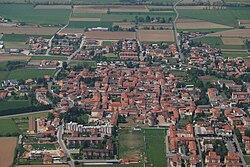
{"x":196,"y":7}
{"x":85,"y":19}
{"x":53,"y":7}
{"x":21,"y":37}
{"x":48,"y":58}
{"x":235,"y":54}
{"x":155,"y":147}
{"x":156,"y":25}
{"x":29,"y":30}
{"x":244,"y":33}
{"x":37,"y":114}
{"x":110,"y":35}
{"x":7,"y":145}
{"x":232,"y":41}
{"x":29,"y":73}
{"x":4,"y":58}
{"x":247,"y":159}
{"x":7,"y":126}
{"x":114,"y":165}
{"x":198,"y":24}
{"x":73,"y":30}
{"x":228,"y":16}
{"x":89,"y":24}
{"x":156,"y":35}
{"x":131,"y":144}
{"x":124,"y":24}
{"x":27,"y":14}
{"x":15,"y":45}
{"x":13,"y":104}
{"x":43,"y":166}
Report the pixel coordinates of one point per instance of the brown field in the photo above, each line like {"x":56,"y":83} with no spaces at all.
{"x":242,"y":33}
{"x":53,"y":7}
{"x":110,"y":35}
{"x":12,"y":1}
{"x":4,"y":58}
{"x":198,"y":7}
{"x":198,"y":1}
{"x":124,"y":24}
{"x":198,"y":24}
{"x":73,"y":30}
{"x":7,"y":145}
{"x":51,"y":1}
{"x":244,"y":21}
{"x":104,"y":8}
{"x":232,"y":41}
{"x":85,"y":19}
{"x":156,"y":35}
{"x":160,"y":7}
{"x":29,"y":30}
{"x":157,"y":25}
{"x":42,"y":166}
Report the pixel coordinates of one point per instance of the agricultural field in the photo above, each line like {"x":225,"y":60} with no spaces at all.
{"x":89,"y":24}
{"x":30,"y":15}
{"x":235,"y":54}
{"x":241,"y":33}
{"x":110,"y":35}
{"x":156,"y":35}
{"x":131,"y":144}
{"x":21,"y":37}
{"x":155,"y":147}
{"x":29,"y":30}
{"x":228,"y":16}
{"x":199,"y":24}
{"x":42,"y":165}
{"x":5,"y":58}
{"x":29,"y":73}
{"x":73,"y":30}
{"x":61,"y":58}
{"x":7,"y":151}
{"x":13,"y":104}
{"x":113,"y":165}
{"x":8,"y":126}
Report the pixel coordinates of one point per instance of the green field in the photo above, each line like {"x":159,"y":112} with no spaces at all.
{"x":49,"y":58}
{"x":113,"y":165}
{"x":247,"y":159}
{"x":131,"y":144}
{"x":29,"y":74}
{"x":89,"y":24}
{"x":7,"y":126}
{"x":235,"y":54}
{"x":155,"y":147}
{"x":228,"y":16}
{"x":216,"y":42}
{"x":15,"y":45}
{"x":20,"y":37}
{"x":43,"y":146}
{"x":178,"y":73}
{"x":13,"y":104}
{"x":27,"y":14}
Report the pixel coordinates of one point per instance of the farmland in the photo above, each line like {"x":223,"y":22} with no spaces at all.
{"x":5,"y":58}
{"x":198,"y":24}
{"x":235,"y":54}
{"x":29,"y":73}
{"x":7,"y":145}
{"x":29,"y":30}
{"x":13,"y":104}
{"x":131,"y":144}
{"x":27,"y":14}
{"x":48,"y":58}
{"x":156,"y":35}
{"x":89,"y":24}
{"x":110,"y":35}
{"x":233,"y":33}
{"x":8,"y":126}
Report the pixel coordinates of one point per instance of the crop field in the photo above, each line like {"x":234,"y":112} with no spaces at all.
{"x":198,"y":7}
{"x":85,"y":19}
{"x":29,"y":73}
{"x":89,"y":24}
{"x":114,"y":165}
{"x":228,"y":16}
{"x":232,"y":41}
{"x":15,"y":45}
{"x":21,"y":37}
{"x":131,"y":144}
{"x":29,"y":30}
{"x":156,"y":35}
{"x":73,"y":30}
{"x":28,"y":14}
{"x":198,"y":24}
{"x":235,"y":54}
{"x":42,"y":165}
{"x":155,"y":147}
{"x":53,"y":7}
{"x":7,"y":145}
{"x":155,"y":25}
{"x":7,"y":126}
{"x":4,"y":58}
{"x":244,"y":33}
{"x":110,"y":35}
{"x":13,"y":104}
{"x":124,"y":24}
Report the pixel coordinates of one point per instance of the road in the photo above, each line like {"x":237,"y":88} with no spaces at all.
{"x":24,"y":114}
{"x":62,"y":145}
{"x":239,"y":150}
{"x":174,"y":26}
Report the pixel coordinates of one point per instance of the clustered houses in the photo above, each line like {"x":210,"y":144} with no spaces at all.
{"x":65,"y":44}
{"x":38,"y":45}
{"x":44,"y":64}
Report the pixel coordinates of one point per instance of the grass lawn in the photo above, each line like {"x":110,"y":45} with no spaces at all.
{"x":13,"y":104}
{"x":49,"y":58}
{"x":44,"y":146}
{"x":90,"y":24}
{"x":7,"y":126}
{"x":247,"y":159}
{"x":3,"y":75}
{"x":27,"y":14}
{"x":228,"y":16}
{"x":216,"y":42}
{"x":235,"y":54}
{"x":20,"y":37}
{"x":155,"y":147}
{"x":131,"y":144}
{"x":29,"y":73}
{"x":178,"y":73}
{"x":15,"y":45}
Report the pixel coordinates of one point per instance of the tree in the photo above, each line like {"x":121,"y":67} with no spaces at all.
{"x":247,"y":132}
{"x":108,"y":12}
{"x":238,"y":135}
{"x":65,"y":65}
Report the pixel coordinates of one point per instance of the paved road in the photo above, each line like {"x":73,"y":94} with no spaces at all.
{"x":239,"y":150}
{"x":62,"y":145}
